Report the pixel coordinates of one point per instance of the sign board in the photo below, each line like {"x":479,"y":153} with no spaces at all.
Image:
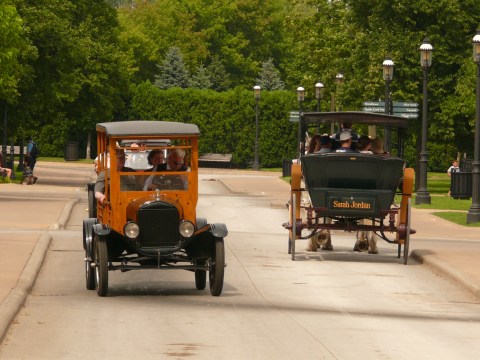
{"x":404,"y":109}
{"x":294,"y":116}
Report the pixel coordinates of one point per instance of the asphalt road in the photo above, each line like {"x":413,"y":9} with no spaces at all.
{"x":339,"y":305}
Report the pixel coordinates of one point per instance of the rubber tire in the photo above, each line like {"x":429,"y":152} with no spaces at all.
{"x":91,"y":205}
{"x":89,"y":270}
{"x":101,"y":266}
{"x":200,"y":279}
{"x":217,"y":269}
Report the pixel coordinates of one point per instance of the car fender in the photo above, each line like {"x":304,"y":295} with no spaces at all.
{"x":101,"y":229}
{"x":219,"y":230}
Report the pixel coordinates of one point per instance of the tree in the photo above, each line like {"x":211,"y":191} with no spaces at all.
{"x":201,"y":79}
{"x":269,"y":78}
{"x":218,"y":75}
{"x":173,"y":72}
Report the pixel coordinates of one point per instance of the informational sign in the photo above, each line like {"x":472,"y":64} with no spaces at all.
{"x":404,"y":109}
{"x":294,"y":116}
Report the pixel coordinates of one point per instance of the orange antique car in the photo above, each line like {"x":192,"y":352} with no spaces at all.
{"x":146,"y":216}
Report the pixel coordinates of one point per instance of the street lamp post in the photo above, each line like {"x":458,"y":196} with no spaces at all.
{"x":319,"y":88}
{"x":256,"y":92}
{"x":473,"y":214}
{"x":387,"y":76}
{"x":423,"y":196}
{"x":339,"y":80}
{"x":301,"y":98}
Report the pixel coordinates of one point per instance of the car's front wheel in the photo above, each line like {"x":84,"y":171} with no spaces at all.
{"x":217,"y":268}
{"x":101,"y":266}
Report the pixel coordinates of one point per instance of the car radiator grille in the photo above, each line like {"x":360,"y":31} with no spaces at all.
{"x":159,"y":227}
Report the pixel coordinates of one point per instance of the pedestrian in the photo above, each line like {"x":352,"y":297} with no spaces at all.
{"x":32,"y":152}
{"x":452,"y":169}
{"x":28,"y":177}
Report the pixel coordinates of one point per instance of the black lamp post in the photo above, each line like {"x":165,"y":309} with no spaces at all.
{"x":473,"y":214}
{"x":339,"y":80}
{"x":301,"y":98}
{"x":423,"y":196}
{"x":319,"y":88}
{"x":256,"y":92}
{"x":387,"y":76}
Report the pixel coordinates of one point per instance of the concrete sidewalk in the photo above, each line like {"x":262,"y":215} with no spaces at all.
{"x":30,"y":213}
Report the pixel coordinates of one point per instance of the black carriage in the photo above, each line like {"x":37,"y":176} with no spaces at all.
{"x":345,"y":189}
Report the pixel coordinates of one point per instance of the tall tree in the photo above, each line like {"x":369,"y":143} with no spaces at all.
{"x":172,"y":72}
{"x":269,"y":78}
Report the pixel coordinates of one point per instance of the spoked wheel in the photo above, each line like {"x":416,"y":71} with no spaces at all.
{"x":217,"y":268}
{"x":294,"y":226}
{"x":101,"y":266}
{"x":407,"y":236}
{"x":89,"y":271}
{"x":201,"y":278}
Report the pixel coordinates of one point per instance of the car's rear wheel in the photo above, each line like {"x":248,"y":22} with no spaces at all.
{"x":217,"y":268}
{"x":89,"y":270}
{"x":101,"y":266}
{"x":201,"y":278}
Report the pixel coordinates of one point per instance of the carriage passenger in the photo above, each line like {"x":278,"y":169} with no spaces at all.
{"x":364,"y":145}
{"x":345,"y":139}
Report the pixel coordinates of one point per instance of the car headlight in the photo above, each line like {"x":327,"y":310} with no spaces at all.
{"x":186,"y":229}
{"x":131,"y":230}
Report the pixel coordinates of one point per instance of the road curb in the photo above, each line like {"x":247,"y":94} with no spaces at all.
{"x":65,"y":215}
{"x":426,"y":257}
{"x":16,"y":298}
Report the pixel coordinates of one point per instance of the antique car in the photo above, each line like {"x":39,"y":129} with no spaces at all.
{"x":351,"y":191}
{"x":139,"y":227}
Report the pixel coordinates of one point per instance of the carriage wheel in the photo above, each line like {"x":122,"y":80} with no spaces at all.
{"x":294,"y":226}
{"x":101,"y":266}
{"x":407,"y":236}
{"x":217,"y":269}
{"x":201,"y":278}
{"x":399,"y":250}
{"x":290,"y":232}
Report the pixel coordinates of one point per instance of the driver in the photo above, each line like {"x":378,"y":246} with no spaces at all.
{"x":175,"y":162}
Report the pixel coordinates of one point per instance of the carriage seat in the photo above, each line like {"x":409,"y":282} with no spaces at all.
{"x":350,"y":184}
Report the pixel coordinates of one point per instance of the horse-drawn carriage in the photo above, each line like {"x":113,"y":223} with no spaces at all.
{"x":352,"y":192}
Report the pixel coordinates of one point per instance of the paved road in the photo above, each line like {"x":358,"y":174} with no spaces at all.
{"x":349,"y":307}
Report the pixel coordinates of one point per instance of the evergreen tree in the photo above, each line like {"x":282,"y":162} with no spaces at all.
{"x":269,"y":77}
{"x":173,"y":72}
{"x":218,"y":75}
{"x":201,"y":80}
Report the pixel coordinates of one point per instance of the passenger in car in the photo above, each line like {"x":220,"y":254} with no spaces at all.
{"x":156,"y":160}
{"x":377,"y":147}
{"x":99,"y":189}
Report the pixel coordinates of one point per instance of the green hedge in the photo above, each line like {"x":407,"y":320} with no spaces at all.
{"x":226,"y":120}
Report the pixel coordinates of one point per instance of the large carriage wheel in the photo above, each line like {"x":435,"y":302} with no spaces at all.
{"x":89,"y":271}
{"x":101,"y":265}
{"x":217,"y":268}
{"x":407,"y":227}
{"x":294,"y":226}
{"x":201,"y":277}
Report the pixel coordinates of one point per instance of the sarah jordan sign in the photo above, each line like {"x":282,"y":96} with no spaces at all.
{"x":351,"y":204}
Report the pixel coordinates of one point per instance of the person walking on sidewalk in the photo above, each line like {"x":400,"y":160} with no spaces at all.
{"x":32,"y":151}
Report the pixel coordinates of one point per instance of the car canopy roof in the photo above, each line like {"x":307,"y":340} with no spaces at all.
{"x":146,"y":128}
{"x":358,"y":117}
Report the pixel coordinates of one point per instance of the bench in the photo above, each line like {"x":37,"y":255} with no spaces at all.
{"x":212,"y":160}
{"x":350,"y":184}
{"x":16,"y":149}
